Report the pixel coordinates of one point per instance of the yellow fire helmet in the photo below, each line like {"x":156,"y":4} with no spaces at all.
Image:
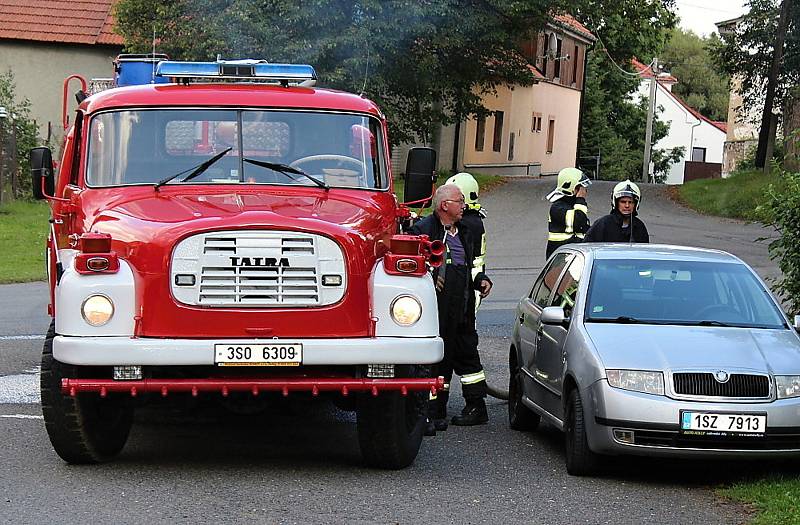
{"x":569,"y":180}
{"x":468,"y":186}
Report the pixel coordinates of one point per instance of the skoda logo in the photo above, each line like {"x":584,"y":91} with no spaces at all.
{"x":721,"y":376}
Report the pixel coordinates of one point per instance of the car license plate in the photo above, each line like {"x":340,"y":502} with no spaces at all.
{"x":275,"y":353}
{"x":703,"y":423}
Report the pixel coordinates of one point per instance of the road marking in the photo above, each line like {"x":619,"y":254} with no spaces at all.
{"x":19,"y":337}
{"x":20,"y":388}
{"x":22,"y":416}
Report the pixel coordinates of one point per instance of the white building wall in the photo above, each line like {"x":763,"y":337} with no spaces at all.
{"x":685,"y":130}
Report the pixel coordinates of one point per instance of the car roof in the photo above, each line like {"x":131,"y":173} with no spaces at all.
{"x":644,"y":251}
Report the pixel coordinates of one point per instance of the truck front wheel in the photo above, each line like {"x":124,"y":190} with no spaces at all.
{"x":85,"y":428}
{"x":390,"y":428}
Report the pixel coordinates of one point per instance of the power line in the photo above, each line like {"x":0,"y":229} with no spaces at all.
{"x":704,"y":8}
{"x":639,"y":74}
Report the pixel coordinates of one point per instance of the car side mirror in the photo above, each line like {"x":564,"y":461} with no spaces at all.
{"x":42,"y":171}
{"x":797,"y":322}
{"x":553,"y":315}
{"x":420,"y":176}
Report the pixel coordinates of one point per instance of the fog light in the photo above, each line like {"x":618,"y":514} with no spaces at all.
{"x":97,"y":310}
{"x":380,"y":370}
{"x":127,"y":373}
{"x":623,"y":436}
{"x":184,"y":279}
{"x":331,"y":280}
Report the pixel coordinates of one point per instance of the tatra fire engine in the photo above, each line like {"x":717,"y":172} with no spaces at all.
{"x":226,"y":229}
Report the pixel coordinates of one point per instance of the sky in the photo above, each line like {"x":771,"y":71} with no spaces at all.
{"x":700,"y":16}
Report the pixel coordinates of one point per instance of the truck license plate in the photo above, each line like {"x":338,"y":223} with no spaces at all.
{"x":258,"y":354}
{"x":703,"y":422}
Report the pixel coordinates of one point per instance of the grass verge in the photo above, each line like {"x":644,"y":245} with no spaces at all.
{"x":23,"y":233}
{"x":776,"y":499}
{"x":735,"y":197}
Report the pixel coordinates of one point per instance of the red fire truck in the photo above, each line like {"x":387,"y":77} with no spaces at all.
{"x":227,"y":230}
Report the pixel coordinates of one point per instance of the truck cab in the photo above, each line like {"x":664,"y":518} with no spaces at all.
{"x":228,"y":229}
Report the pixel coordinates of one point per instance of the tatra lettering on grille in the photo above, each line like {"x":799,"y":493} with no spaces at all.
{"x":258,"y":269}
{"x":704,"y":384}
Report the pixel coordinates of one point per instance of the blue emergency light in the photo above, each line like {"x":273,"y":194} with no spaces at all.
{"x":238,"y":69}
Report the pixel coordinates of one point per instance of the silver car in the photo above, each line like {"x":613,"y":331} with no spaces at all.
{"x":655,"y":350}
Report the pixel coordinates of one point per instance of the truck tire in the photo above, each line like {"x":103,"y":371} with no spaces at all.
{"x":85,"y":428}
{"x":390,"y":428}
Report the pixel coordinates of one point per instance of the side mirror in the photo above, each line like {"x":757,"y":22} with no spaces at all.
{"x":797,"y":322}
{"x":553,"y":315}
{"x":420,"y":176}
{"x":42,"y":169}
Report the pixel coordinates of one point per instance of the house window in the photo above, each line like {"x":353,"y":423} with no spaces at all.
{"x":551,"y":132}
{"x":480,"y":132}
{"x":497,"y":142}
{"x":536,"y":123}
{"x":511,"y":147}
{"x":698,"y":154}
{"x":557,"y":60}
{"x":575,"y":66}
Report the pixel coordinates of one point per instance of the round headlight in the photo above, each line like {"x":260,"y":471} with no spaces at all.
{"x":406,"y":310}
{"x":97,"y":310}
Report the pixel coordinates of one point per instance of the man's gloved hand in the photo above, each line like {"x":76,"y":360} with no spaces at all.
{"x":486,"y":287}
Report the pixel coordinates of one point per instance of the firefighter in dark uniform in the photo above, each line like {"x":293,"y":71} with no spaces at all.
{"x":622,"y":224}
{"x":569,"y":217}
{"x":473,"y":218}
{"x":456,"y":305}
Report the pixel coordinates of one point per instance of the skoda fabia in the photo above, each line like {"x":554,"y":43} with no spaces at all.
{"x":655,"y":350}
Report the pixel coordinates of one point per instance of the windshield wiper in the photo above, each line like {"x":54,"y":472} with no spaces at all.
{"x":712,"y":323}
{"x":198,"y":170}
{"x":622,"y":319}
{"x":285,"y":169}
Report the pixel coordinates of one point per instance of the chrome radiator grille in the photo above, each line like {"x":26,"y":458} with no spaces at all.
{"x":257,"y":269}
{"x":704,"y":384}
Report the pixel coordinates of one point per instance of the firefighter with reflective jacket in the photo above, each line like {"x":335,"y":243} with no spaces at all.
{"x":569,"y":216}
{"x":456,"y":305}
{"x":622,"y":224}
{"x":473,"y":218}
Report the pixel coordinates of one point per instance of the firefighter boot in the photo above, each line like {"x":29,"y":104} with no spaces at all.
{"x":473,"y":414}
{"x":439,"y":411}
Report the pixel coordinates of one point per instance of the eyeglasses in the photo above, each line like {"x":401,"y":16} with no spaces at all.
{"x":462,"y":202}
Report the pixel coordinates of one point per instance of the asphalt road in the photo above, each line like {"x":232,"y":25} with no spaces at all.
{"x":300,"y":463}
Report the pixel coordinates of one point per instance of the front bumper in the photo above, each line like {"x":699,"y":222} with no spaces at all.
{"x":654,"y":421}
{"x":110,"y":351}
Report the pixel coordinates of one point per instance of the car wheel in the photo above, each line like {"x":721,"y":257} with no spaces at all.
{"x":85,"y":428}
{"x":581,"y":461}
{"x":520,"y":417}
{"x":390,"y":427}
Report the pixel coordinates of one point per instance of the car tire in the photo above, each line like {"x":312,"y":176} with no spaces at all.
{"x":86,"y":428}
{"x":390,"y":427}
{"x":520,"y":417}
{"x":581,"y":461}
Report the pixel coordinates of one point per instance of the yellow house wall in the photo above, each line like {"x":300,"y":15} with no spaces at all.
{"x":518,"y":105}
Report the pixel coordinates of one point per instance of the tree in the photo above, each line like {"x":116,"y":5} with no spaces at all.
{"x":747,"y":52}
{"x":688,"y":58}
{"x":425,"y":63}
{"x":613,"y":123}
{"x":20,"y":126}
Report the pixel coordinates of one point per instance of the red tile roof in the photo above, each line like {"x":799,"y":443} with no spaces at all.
{"x":574,"y":25}
{"x":647,"y":72}
{"x":63,"y":21}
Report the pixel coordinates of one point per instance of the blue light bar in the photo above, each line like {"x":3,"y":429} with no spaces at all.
{"x":237,"y":69}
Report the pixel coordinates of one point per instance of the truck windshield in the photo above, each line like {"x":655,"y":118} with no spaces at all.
{"x":147,"y":146}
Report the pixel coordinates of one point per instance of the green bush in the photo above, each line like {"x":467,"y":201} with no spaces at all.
{"x":781,"y":210}
{"x":736,"y":197}
{"x":21,"y":124}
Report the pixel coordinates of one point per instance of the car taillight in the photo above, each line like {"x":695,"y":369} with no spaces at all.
{"x":96,"y":255}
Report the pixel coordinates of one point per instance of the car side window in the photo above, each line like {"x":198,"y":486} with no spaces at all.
{"x":567,"y":290}
{"x":548,"y":279}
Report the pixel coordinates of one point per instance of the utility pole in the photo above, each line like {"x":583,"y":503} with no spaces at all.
{"x":648,"y":136}
{"x":764,"y":132}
